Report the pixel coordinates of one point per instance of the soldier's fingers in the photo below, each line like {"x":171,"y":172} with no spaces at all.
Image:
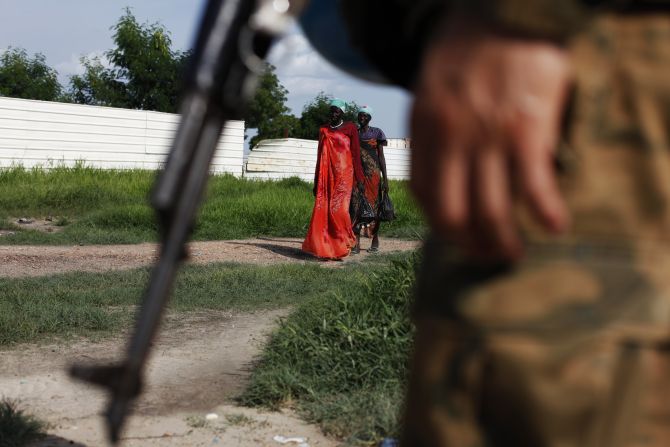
{"x":452,"y":214}
{"x":536,"y":140}
{"x":495,"y":224}
{"x":541,"y":192}
{"x":440,"y":168}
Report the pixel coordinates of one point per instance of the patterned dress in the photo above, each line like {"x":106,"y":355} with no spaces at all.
{"x":330,"y":234}
{"x":372,"y":139}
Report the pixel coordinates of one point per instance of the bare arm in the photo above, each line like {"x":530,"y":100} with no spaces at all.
{"x":356,"y":155}
{"x":318,"y":164}
{"x":382,"y":164}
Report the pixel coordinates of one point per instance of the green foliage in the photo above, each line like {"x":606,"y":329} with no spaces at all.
{"x":342,"y":359}
{"x":315,"y":114}
{"x":267,"y":111}
{"x":145,"y":72}
{"x":96,"y":86}
{"x":282,"y":126}
{"x":93,"y":305}
{"x":28,"y":78}
{"x":269,"y":100}
{"x":17,"y":429}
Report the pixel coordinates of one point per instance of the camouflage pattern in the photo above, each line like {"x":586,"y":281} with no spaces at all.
{"x":571,"y":347}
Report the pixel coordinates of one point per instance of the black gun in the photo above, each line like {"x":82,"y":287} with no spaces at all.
{"x":233,"y":39}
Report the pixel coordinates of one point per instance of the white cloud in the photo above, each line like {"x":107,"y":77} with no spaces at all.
{"x":73,"y":65}
{"x":302,"y":70}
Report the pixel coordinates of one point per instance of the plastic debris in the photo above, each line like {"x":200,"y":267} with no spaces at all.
{"x":389,"y":442}
{"x":302,"y":442}
{"x":212,"y":416}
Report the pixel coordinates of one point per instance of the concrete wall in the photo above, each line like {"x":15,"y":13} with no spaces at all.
{"x":40,"y":133}
{"x":288,"y":157}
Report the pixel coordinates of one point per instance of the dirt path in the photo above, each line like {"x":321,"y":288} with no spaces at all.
{"x":198,"y":363}
{"x":18,"y":260}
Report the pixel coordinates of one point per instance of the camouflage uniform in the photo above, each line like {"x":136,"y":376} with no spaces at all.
{"x":570,"y":347}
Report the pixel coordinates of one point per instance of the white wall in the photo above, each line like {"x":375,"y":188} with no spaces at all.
{"x":288,"y":157}
{"x":398,"y":143}
{"x":40,"y":133}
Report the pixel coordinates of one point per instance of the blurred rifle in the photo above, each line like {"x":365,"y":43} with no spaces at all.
{"x":232,"y":42}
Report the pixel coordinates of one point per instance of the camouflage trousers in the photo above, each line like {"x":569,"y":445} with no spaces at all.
{"x":571,"y":347}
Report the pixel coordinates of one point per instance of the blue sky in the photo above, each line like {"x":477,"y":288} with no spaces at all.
{"x":65,"y":30}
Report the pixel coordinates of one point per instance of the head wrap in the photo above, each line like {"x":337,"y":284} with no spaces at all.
{"x":366,"y":109}
{"x":339,"y":103}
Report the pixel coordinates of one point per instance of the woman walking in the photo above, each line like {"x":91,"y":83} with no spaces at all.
{"x":375,"y":183}
{"x":330,"y":234}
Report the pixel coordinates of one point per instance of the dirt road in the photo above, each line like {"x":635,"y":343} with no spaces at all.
{"x":199,"y":364}
{"x":18,"y":260}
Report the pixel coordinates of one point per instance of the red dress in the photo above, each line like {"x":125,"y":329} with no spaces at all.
{"x":338,"y":161}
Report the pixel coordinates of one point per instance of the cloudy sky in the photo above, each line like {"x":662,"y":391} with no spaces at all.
{"x":65,"y":30}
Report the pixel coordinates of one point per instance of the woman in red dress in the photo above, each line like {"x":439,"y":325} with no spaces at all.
{"x":338,"y":165}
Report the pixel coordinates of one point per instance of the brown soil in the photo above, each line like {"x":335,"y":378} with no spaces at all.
{"x":198,"y":365}
{"x":47,"y":225}
{"x":28,"y":260}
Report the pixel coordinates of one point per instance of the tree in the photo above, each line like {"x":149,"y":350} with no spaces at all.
{"x":282,"y":126}
{"x":269,"y":100}
{"x":28,"y":78}
{"x":144,"y":73}
{"x":267,"y":111}
{"x":315,"y":114}
{"x":96,"y":86}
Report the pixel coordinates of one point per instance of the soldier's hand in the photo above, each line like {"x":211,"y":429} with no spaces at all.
{"x":485,"y":124}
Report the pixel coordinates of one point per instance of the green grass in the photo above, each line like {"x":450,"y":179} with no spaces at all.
{"x":95,"y":206}
{"x":91,"y":304}
{"x":342,"y":359}
{"x":17,"y":428}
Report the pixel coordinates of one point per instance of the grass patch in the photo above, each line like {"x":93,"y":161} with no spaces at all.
{"x":17,"y":428}
{"x":96,"y":206}
{"x":342,"y":360}
{"x":93,"y":304}
{"x":239,"y":419}
{"x":196,"y":421}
